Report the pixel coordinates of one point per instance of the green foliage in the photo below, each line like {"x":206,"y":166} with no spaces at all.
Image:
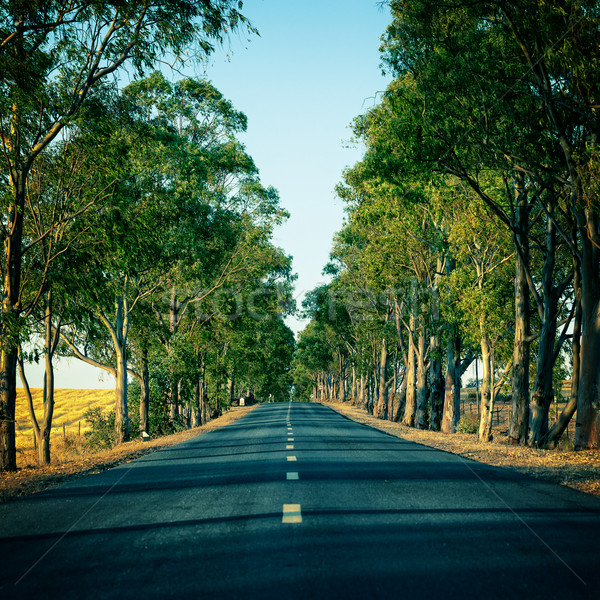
{"x":468,"y":423}
{"x":102,"y":432}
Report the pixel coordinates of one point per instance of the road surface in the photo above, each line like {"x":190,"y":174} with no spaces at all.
{"x":294,"y":501}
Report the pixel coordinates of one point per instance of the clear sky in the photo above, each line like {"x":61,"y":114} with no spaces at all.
{"x":313,"y":69}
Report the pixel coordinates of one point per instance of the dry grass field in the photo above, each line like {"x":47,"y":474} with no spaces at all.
{"x":68,"y":423}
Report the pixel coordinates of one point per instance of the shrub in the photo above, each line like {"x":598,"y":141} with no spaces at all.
{"x":468,"y":423}
{"x":102,"y":432}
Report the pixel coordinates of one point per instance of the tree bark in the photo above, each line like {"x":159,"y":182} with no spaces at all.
{"x":543,"y":389}
{"x":411,"y":392}
{"x":422,"y":390}
{"x":10,"y":317}
{"x":381,"y":408}
{"x":436,"y":393}
{"x":487,"y":404}
{"x":51,"y":339}
{"x":555,"y":432}
{"x":451,"y":413}
{"x":120,"y":343}
{"x":342,"y":382}
{"x":587,"y":428}
{"x":519,"y":425}
{"x":362,"y":398}
{"x":144,"y":391}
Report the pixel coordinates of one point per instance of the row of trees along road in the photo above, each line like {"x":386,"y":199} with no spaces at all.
{"x":136,"y":231}
{"x":473,"y":223}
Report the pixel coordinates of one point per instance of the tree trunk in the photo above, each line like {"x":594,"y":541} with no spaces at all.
{"x":519,"y":425}
{"x":401,"y":400}
{"x":144,"y":391}
{"x":587,"y":429}
{"x":121,"y":416}
{"x":422,"y":391}
{"x":393,"y":395}
{"x":436,"y":393}
{"x":451,"y":414}
{"x":381,"y":408}
{"x":543,"y":389}
{"x":362,"y":399}
{"x":411,"y":392}
{"x":204,"y":412}
{"x":555,"y":432}
{"x":231,"y":390}
{"x":487,"y":405}
{"x":51,"y":338}
{"x":436,"y":377}
{"x":120,"y":343}
{"x":342,"y":382}
{"x":10,"y":318}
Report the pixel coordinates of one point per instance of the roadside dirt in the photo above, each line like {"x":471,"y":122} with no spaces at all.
{"x":579,"y":470}
{"x":32,"y":479}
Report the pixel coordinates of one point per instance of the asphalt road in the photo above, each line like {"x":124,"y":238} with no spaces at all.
{"x":294,"y":501}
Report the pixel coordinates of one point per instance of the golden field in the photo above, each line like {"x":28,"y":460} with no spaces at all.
{"x":69,"y":408}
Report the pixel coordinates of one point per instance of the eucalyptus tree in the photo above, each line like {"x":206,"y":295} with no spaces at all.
{"x":313,"y":359}
{"x":126,"y":236}
{"x":454,"y":63}
{"x":362,"y":284}
{"x":228,"y":335}
{"x":69,"y":180}
{"x":478,"y":291}
{"x":220,"y":208}
{"x":404,"y":229}
{"x":62,"y":190}
{"x":52,"y":55}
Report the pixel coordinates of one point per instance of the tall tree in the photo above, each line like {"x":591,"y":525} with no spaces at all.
{"x":52,"y":54}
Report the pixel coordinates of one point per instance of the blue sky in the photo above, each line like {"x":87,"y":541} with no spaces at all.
{"x":313,"y":69}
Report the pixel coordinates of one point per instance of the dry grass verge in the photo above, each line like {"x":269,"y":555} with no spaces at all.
{"x":579,"y":470}
{"x":31,"y":479}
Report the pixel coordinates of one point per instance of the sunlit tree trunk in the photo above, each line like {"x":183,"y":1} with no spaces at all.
{"x":487,"y":405}
{"x":120,"y":338}
{"x":51,"y":338}
{"x":411,"y":391}
{"x":381,"y":408}
{"x":362,"y":398}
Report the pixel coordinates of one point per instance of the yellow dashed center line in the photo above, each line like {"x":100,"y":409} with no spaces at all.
{"x":291,"y":513}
